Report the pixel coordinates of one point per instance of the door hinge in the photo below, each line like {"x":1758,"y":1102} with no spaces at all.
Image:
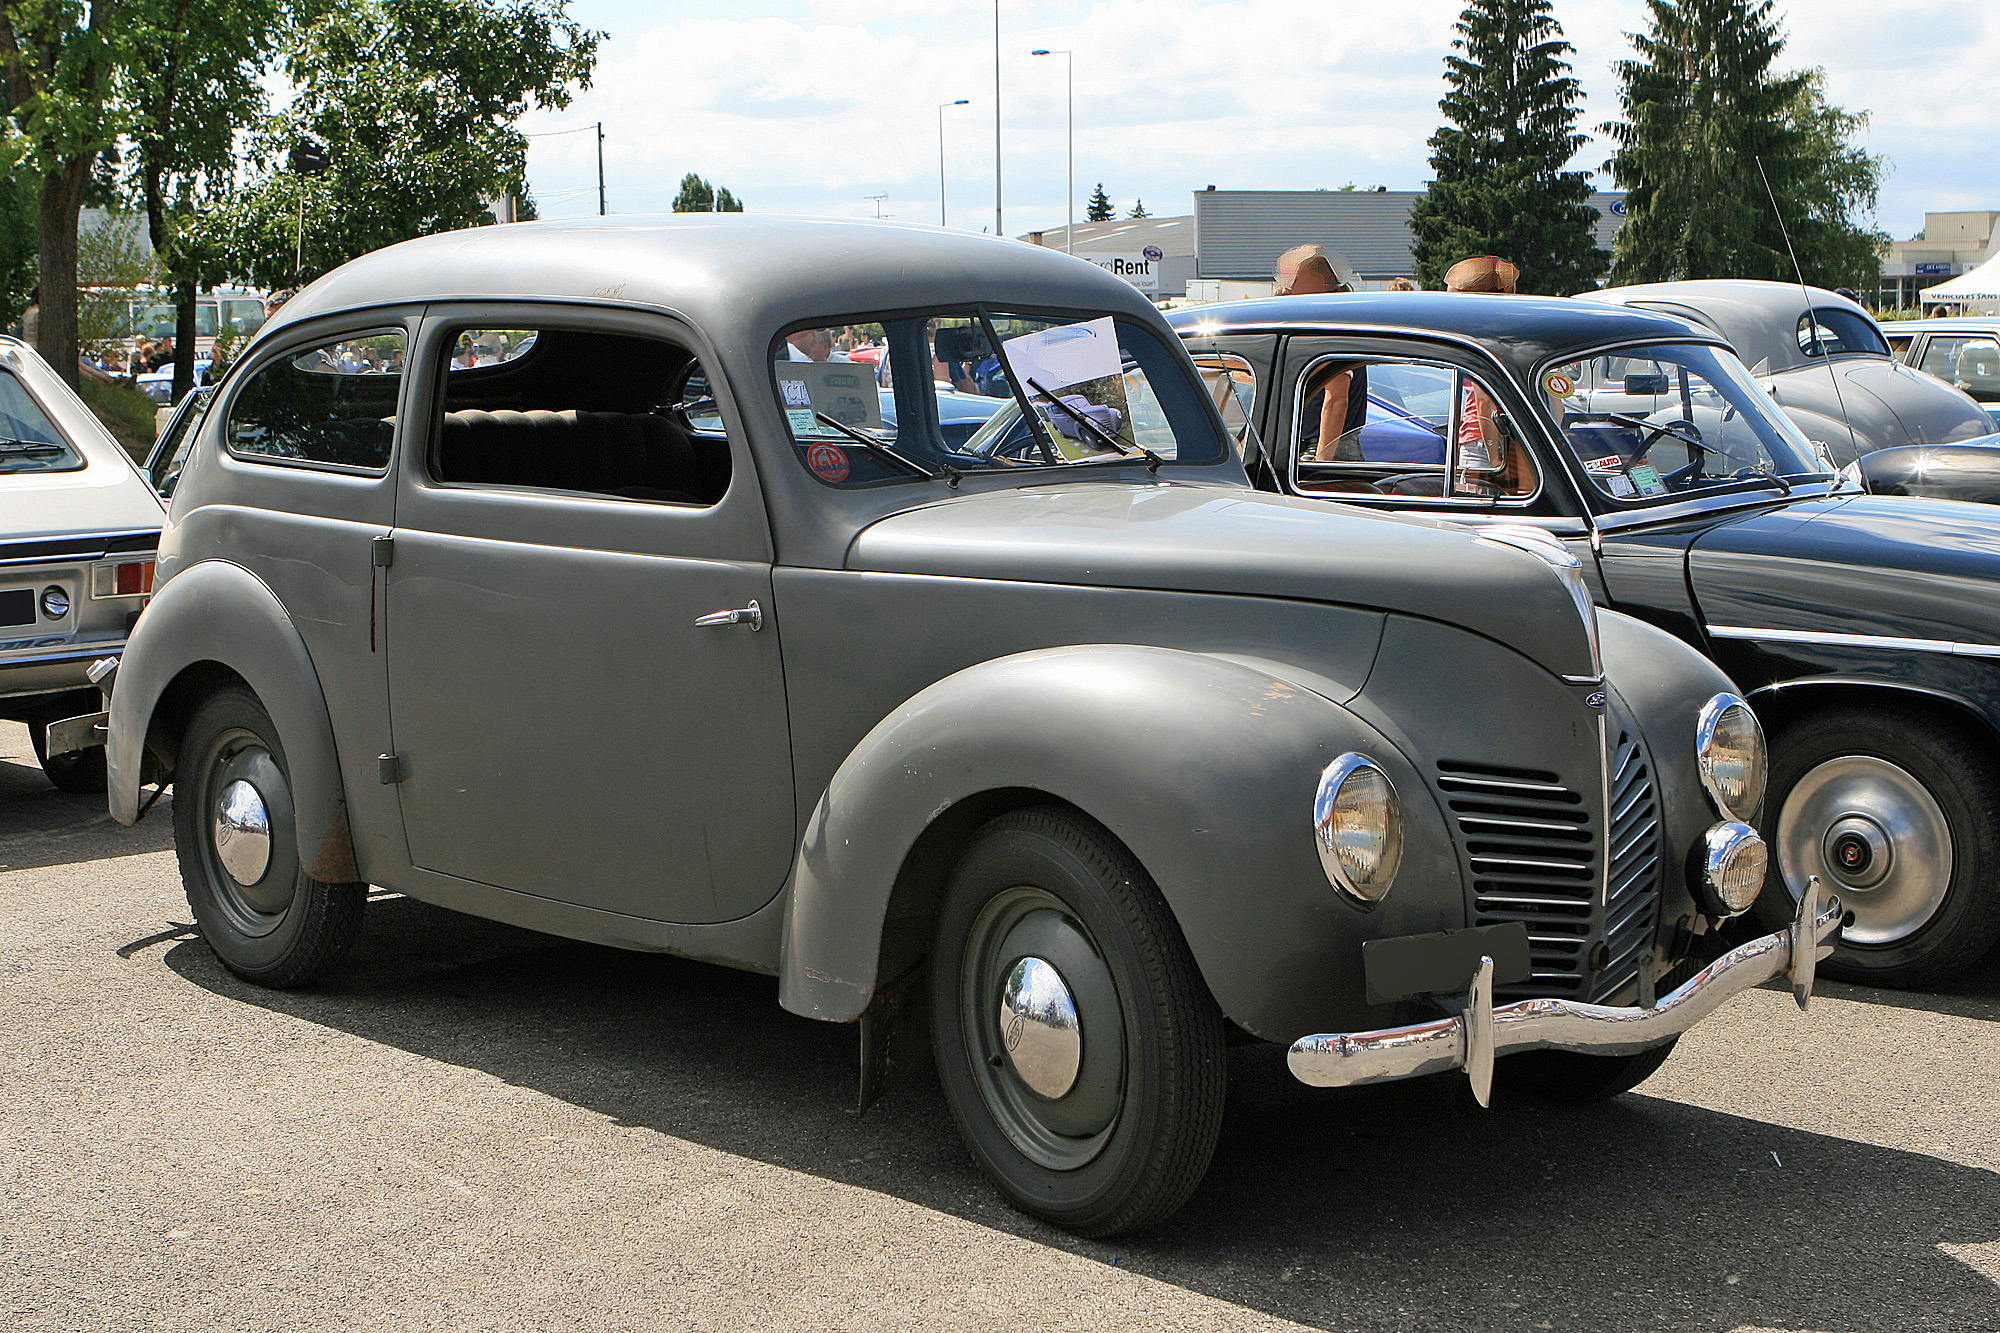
{"x":385,"y":551}
{"x":389,"y":768}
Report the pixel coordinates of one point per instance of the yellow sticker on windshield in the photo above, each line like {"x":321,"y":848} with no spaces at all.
{"x":1558,"y":384}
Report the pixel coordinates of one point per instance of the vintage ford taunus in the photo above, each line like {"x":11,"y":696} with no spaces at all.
{"x":573,"y":575}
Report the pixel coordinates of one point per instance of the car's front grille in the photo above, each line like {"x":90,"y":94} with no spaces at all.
{"x":1534,"y":854}
{"x":1632,"y":899}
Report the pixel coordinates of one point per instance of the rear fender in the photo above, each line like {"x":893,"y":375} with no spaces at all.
{"x":1204,"y":767}
{"x":219,"y":615}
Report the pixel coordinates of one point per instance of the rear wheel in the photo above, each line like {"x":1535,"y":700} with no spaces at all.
{"x":80,"y":771}
{"x":236,"y":840}
{"x":1898,"y":814}
{"x":1080,"y":1052}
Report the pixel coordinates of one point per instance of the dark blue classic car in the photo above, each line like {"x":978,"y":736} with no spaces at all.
{"x":1863,"y":628}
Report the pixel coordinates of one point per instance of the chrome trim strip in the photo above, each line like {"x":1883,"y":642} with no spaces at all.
{"x":1347,"y":1059}
{"x":1855,"y":640}
{"x":68,"y":655}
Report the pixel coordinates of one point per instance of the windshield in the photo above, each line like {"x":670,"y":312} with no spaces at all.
{"x":1650,"y":422}
{"x":934,"y":396}
{"x":29,"y":441}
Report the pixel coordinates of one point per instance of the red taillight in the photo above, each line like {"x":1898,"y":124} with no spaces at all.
{"x":135,"y":578}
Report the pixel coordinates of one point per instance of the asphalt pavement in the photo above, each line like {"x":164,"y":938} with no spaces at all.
{"x":474,"y":1127}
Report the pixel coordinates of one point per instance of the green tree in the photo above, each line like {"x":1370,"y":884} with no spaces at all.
{"x":1703,"y":111}
{"x":17,"y":246}
{"x":1099,"y":209}
{"x":60,"y":61}
{"x":1139,"y":209}
{"x":415,"y":102}
{"x":698,"y":196}
{"x":187,"y":104}
{"x":1500,"y":187}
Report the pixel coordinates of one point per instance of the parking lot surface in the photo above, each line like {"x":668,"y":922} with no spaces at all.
{"x":474,"y":1127}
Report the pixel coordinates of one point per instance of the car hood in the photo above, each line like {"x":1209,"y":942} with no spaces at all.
{"x":1190,"y":537}
{"x":1885,"y":403}
{"x":1857,"y":564}
{"x":101,"y":498}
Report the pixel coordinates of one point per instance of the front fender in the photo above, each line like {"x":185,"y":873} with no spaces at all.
{"x":1204,"y":767}
{"x":219,"y":613}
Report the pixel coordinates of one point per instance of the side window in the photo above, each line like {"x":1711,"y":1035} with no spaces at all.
{"x":1232,"y":387}
{"x":1973,"y":364}
{"x":604,"y":414}
{"x":333,"y":405}
{"x":1405,"y":428}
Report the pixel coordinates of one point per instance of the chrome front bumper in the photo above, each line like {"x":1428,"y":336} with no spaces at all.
{"x":1472,"y":1039}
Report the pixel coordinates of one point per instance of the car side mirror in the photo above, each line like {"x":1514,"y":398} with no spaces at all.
{"x":1649,"y":385}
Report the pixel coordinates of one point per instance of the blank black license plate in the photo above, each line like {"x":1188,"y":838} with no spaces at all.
{"x":17,"y":606}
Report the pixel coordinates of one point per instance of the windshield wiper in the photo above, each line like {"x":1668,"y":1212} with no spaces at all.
{"x":1153,"y":461}
{"x":1656,"y":428}
{"x":29,"y":447}
{"x":948,"y":473}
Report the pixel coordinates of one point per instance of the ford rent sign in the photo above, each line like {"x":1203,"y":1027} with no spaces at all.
{"x":1140,"y":270}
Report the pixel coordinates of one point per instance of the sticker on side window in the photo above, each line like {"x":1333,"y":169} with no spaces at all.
{"x":798,"y":406}
{"x":828,"y":462}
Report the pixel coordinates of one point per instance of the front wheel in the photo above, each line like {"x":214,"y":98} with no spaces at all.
{"x":234,"y":835}
{"x":1080,"y":1051}
{"x":1898,"y":814}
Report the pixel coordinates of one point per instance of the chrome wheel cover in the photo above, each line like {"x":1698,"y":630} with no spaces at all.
{"x":250,"y":833}
{"x":1043,"y":1029}
{"x":1874,"y":835}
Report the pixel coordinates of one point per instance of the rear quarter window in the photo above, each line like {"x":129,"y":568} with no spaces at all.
{"x":332,"y":405}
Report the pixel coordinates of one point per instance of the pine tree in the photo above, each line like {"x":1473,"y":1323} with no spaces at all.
{"x":1100,"y":206}
{"x":1139,"y":209}
{"x":698,"y":196}
{"x":1500,"y":187}
{"x":1703,"y":110}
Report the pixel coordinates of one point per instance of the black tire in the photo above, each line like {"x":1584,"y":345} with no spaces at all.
{"x":1907,"y":799}
{"x":283,"y":928}
{"x":1128,"y":1140}
{"x":79,"y":771}
{"x":1575,"y":1079}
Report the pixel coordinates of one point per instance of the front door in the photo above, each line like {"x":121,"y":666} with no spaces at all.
{"x":563,"y":726}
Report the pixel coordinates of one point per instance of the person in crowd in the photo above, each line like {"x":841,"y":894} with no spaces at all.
{"x":1342,"y":398}
{"x":1483,"y":459}
{"x":1404,"y":285}
{"x":814,"y":345}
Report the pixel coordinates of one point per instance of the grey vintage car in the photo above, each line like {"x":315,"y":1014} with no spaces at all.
{"x":626,"y":615}
{"x":77,"y":529}
{"x":1823,"y":358}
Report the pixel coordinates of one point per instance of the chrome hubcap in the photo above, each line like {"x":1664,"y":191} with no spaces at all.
{"x":243,"y":833}
{"x":1876,"y":836}
{"x":1040,"y":1029}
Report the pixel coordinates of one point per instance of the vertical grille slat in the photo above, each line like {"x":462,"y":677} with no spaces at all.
{"x":1535,"y":857}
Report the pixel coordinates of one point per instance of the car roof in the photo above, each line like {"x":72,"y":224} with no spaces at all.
{"x":1760,"y":319}
{"x":1524,"y":331}
{"x":731,"y":273}
{"x":1949,"y":324}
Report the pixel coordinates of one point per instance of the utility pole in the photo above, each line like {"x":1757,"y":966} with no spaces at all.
{"x":878,"y":198}
{"x":601,"y":210}
{"x":1069,"y":74}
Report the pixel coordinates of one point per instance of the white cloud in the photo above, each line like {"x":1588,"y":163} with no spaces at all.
{"x":814,"y":105}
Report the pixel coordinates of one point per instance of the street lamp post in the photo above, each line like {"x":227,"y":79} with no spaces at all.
{"x":999,"y":227}
{"x":941,"y":106}
{"x":1069,"y":74}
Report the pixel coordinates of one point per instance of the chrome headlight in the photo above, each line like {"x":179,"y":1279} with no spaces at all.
{"x":1729,"y":750}
{"x":1550,"y":549}
{"x":1733,"y":865}
{"x":1358,"y":825}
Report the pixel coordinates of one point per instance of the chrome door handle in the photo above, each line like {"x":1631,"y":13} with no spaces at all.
{"x":750,"y":615}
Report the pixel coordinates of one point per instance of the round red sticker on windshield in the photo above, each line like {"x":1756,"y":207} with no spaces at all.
{"x":828,"y":462}
{"x":1558,"y":384}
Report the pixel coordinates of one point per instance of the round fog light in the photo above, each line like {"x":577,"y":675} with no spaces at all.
{"x":1733,"y":868}
{"x":1358,"y":825}
{"x":55,"y":603}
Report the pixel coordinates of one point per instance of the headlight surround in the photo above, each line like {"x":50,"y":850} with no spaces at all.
{"x":1358,"y":827}
{"x":1733,"y":867}
{"x":1729,"y":750}
{"x":1549,"y":548}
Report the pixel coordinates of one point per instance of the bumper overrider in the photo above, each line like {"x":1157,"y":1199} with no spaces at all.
{"x":1472,"y":1039}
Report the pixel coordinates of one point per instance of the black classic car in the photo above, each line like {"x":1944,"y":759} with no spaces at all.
{"x":1864,"y":629}
{"x":654,"y":628}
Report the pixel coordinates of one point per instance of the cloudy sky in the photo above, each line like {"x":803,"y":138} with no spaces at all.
{"x":815,"y":106}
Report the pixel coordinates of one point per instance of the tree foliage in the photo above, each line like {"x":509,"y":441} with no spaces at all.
{"x":1500,"y":187}
{"x":17,"y":245}
{"x":1138,"y":209}
{"x":1703,"y":112}
{"x":699,"y":196}
{"x":1099,"y":209}
{"x":415,"y":102}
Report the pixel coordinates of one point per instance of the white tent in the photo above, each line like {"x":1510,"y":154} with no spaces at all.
{"x":1979,"y":287}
